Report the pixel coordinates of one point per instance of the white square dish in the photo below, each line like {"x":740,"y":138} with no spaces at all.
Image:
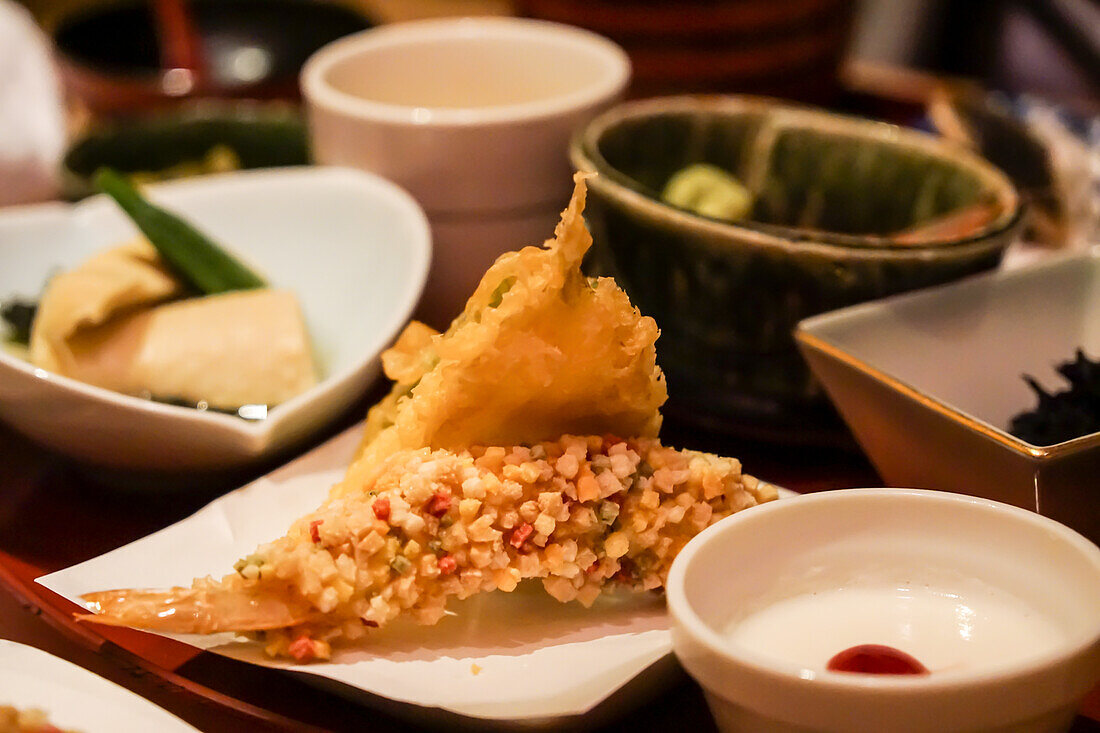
{"x":354,"y":248}
{"x":929,"y":381}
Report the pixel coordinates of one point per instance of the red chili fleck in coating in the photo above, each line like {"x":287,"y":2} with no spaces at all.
{"x":314,"y":533}
{"x":302,"y":649}
{"x":381,"y":508}
{"x":368,"y":622}
{"x":592,"y":568}
{"x":625,"y":573}
{"x":439,"y":504}
{"x":447,"y":564}
{"x":520,"y":535}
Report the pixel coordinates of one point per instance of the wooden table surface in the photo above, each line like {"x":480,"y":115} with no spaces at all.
{"x":53,"y":515}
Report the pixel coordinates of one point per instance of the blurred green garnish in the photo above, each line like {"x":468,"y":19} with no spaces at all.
{"x":709,"y":191}
{"x":189,"y":252}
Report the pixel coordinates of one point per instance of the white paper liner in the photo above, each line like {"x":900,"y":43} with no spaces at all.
{"x":510,"y":657}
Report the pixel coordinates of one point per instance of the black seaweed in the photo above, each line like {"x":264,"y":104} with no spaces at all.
{"x":1061,"y":416}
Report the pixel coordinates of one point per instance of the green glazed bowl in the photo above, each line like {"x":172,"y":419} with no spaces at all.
{"x":831,"y":195}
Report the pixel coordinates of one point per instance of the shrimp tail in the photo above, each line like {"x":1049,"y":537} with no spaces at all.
{"x":194,"y":610}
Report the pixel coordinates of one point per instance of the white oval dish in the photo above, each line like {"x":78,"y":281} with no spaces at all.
{"x":74,"y":698}
{"x":353,"y":247}
{"x":893,"y":538}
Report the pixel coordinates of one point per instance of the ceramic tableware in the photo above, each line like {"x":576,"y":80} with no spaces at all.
{"x":472,"y":117}
{"x":998,"y":605}
{"x":833,"y":196}
{"x":929,"y":383}
{"x":353,"y":247}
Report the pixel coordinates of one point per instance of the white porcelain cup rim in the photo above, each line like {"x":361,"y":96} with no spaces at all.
{"x":607,"y":80}
{"x":682,"y":609}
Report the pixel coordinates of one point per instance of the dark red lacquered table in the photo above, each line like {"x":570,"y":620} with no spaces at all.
{"x":52,"y":515}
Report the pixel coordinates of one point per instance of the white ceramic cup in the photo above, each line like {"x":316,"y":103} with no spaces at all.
{"x":472,"y":116}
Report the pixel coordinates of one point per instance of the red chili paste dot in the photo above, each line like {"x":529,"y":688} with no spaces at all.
{"x":875,"y":659}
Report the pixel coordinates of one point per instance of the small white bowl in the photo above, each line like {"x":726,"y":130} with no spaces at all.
{"x":353,"y":247}
{"x":1001,"y":604}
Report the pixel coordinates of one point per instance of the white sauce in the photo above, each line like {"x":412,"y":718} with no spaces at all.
{"x":943,"y":629}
